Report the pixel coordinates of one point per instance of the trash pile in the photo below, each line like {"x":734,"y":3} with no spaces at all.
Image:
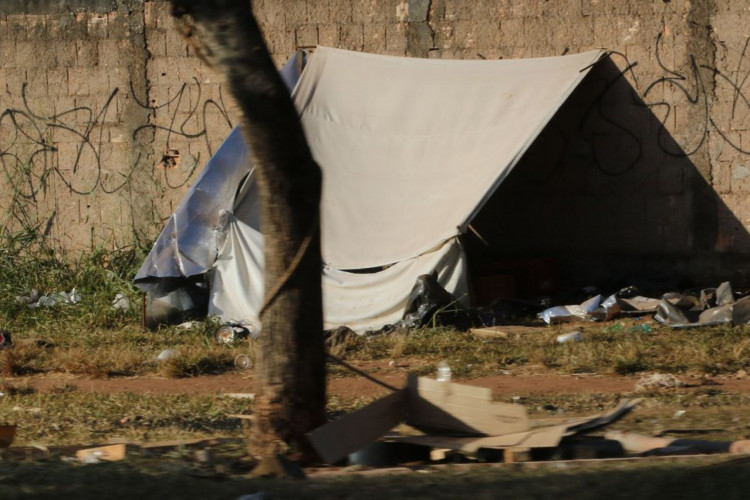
{"x":710,"y":306}
{"x":462,"y":422}
{"x":35,"y":299}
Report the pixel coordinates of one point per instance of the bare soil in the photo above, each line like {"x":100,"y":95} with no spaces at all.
{"x":360,"y":387}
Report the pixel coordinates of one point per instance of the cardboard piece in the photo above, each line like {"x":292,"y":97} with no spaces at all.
{"x":110,"y":453}
{"x":546,"y":437}
{"x":434,"y":406}
{"x":604,"y":419}
{"x":489,"y":333}
{"x":542,"y":437}
{"x":456,"y":417}
{"x":336,"y":440}
{"x":505,"y":331}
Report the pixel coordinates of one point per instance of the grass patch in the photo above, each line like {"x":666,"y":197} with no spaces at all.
{"x":95,"y":340}
{"x":182,"y":477}
{"x":709,"y":351}
{"x":73,"y":417}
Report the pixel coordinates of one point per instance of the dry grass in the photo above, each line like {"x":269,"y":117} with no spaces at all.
{"x":711,"y":351}
{"x":93,"y":339}
{"x":71,"y":417}
{"x":128,"y":351}
{"x":67,"y":416}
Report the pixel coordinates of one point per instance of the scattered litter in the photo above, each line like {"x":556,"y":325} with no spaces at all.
{"x":713,"y":307}
{"x":168,"y":354}
{"x":709,"y":307}
{"x":658,"y":381}
{"x":574,"y":336}
{"x":243,"y":362}
{"x":617,"y":327}
{"x":261,"y":495}
{"x":670,"y":314}
{"x":121,"y":302}
{"x":724,"y":294}
{"x":227,"y":334}
{"x":678,"y":413}
{"x":443,"y":372}
{"x":35,"y":300}
{"x":174,"y":301}
{"x":188,"y":325}
{"x":430,"y":303}
{"x":111,"y":453}
{"x":454,"y":417}
{"x":562,"y":314}
{"x":642,"y":328}
{"x":239,"y":395}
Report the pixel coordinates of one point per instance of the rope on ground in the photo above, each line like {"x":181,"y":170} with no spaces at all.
{"x":361,"y":373}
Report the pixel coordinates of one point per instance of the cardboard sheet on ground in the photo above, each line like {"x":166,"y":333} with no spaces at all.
{"x":547,"y":437}
{"x":460,"y":417}
{"x":356,"y":430}
{"x":433,"y":406}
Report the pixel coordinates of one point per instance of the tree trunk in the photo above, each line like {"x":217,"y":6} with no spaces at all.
{"x":290,"y":370}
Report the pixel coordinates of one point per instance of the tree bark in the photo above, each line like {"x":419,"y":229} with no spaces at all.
{"x":290,"y":370}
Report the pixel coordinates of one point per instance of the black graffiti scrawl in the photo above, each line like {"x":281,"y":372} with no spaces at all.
{"x":33,"y":140}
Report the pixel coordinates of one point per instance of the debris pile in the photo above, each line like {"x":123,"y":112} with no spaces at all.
{"x":710,"y":306}
{"x":454,"y":421}
{"x":452,"y":417}
{"x":35,"y":299}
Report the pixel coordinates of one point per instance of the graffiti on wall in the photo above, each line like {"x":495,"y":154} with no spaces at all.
{"x":73,"y":146}
{"x":612,"y":96}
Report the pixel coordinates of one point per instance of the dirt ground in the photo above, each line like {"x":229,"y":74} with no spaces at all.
{"x":356,"y":386}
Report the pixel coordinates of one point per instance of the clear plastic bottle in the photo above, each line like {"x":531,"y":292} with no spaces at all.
{"x":443,"y":372}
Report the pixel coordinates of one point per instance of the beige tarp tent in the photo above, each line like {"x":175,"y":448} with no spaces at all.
{"x":410,"y":149}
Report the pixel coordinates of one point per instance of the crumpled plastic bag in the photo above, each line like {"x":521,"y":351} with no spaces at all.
{"x":35,"y":300}
{"x":562,"y":314}
{"x":428,"y":300}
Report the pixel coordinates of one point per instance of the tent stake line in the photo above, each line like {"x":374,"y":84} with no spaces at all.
{"x":361,"y":373}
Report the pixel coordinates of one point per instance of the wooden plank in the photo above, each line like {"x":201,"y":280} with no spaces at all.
{"x":110,"y":453}
{"x":336,"y":440}
{"x":443,"y":406}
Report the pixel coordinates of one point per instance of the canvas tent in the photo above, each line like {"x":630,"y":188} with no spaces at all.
{"x":410,"y":150}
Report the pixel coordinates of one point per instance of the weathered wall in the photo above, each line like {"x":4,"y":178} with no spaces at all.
{"x":107,"y":117}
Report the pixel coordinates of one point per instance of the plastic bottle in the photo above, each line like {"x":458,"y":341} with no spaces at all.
{"x":574,"y":336}
{"x":443,"y":372}
{"x":243,"y":362}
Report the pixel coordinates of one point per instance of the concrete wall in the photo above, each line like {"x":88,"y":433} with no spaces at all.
{"x":107,"y":118}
